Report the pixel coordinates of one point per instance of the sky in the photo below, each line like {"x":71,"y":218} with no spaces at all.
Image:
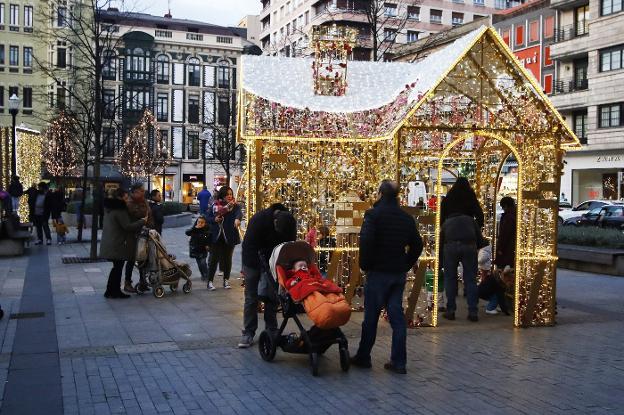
{"x":220,"y":12}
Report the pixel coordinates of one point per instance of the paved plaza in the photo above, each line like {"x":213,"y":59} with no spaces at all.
{"x":72,"y":351}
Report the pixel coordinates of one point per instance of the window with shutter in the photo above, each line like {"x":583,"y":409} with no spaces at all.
{"x":178,"y":74}
{"x":178,"y":106}
{"x":178,"y":134}
{"x":209,"y":75}
{"x":209,"y":98}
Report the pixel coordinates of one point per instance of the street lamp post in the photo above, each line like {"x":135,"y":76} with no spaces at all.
{"x":204,"y":139}
{"x":164,"y":154}
{"x":13,"y":110}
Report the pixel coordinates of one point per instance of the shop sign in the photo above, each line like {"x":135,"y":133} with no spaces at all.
{"x":610,"y":159}
{"x":530,"y":59}
{"x":193,"y":177}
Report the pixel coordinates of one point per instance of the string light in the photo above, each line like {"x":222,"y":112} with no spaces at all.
{"x":29,"y":164}
{"x":61,"y":159}
{"x":326,"y":165}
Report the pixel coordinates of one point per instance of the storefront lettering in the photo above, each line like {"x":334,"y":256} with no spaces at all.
{"x":608,"y":159}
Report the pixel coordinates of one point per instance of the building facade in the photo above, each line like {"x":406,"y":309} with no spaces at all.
{"x":185,"y":72}
{"x":529,"y":30}
{"x":285,"y":24}
{"x":588,"y":54}
{"x":19,"y":51}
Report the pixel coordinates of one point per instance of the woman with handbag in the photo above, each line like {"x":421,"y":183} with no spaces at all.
{"x":224,"y":219}
{"x":461,"y":220}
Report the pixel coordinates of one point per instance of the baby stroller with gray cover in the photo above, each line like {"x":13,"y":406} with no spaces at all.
{"x":313,"y":342}
{"x":157,"y":268}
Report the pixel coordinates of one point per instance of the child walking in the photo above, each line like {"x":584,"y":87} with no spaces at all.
{"x":61,"y":231}
{"x":199,"y":245}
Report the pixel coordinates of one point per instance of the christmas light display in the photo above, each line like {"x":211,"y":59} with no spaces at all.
{"x":29,"y":164}
{"x":463,"y":110}
{"x":60,"y":155}
{"x":5,"y":157}
{"x":138,"y":157}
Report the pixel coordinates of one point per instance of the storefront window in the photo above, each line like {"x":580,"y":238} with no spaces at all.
{"x":597,"y":184}
{"x":157,"y":183}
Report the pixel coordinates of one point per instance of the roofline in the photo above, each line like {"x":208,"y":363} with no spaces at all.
{"x":149,"y":20}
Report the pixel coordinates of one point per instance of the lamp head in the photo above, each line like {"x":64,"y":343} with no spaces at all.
{"x":14,"y":103}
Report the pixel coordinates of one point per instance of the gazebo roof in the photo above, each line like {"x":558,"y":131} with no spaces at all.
{"x":278,"y":99}
{"x":371,"y":85}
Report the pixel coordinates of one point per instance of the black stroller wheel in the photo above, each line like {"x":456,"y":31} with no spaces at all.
{"x":345,"y":360}
{"x":159,"y":292}
{"x":314,"y":363}
{"x":173,"y":287}
{"x":186,"y":288}
{"x":267,"y":346}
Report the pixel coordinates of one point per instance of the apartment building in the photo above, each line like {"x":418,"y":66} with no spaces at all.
{"x":19,"y":51}
{"x":285,"y":24}
{"x":185,"y":72}
{"x":588,"y":52}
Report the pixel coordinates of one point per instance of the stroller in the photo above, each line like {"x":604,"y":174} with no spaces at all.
{"x":157,"y":267}
{"x":313,"y":342}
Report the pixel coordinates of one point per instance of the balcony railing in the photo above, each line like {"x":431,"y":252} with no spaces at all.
{"x":565,"y":86}
{"x":571,"y":31}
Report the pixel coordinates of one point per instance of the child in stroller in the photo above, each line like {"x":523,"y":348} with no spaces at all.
{"x":299,"y":287}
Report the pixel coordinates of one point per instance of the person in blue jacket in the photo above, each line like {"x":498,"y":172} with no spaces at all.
{"x":204,"y":201}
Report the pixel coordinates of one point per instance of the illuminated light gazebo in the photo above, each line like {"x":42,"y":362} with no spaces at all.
{"x":464,"y":109}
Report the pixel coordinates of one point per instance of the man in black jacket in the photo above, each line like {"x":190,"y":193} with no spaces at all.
{"x":266,"y":229}
{"x":389,"y":247}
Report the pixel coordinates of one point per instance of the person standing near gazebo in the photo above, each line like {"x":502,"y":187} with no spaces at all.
{"x":389,"y":247}
{"x":461,"y":218}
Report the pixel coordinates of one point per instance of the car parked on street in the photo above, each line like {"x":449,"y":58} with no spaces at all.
{"x":611,"y":217}
{"x":582,"y":209}
{"x":585,"y":219}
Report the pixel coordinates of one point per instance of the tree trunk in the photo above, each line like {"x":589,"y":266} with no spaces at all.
{"x":85,"y":172}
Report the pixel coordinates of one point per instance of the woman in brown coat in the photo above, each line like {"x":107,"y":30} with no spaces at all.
{"x":118,"y":239}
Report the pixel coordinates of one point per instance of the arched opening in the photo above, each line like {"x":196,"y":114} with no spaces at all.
{"x":480,"y":158}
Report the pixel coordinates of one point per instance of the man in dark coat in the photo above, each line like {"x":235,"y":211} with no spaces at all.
{"x":119,"y":238}
{"x":506,"y":238}
{"x":57,"y":203}
{"x":156,"y":208}
{"x":16,"y":190}
{"x":41,"y":208}
{"x":32,"y":197}
{"x":389,"y":247}
{"x":266,"y":229}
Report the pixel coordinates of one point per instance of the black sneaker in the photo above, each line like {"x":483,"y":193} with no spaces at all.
{"x":392,"y":368}
{"x":449,"y":315}
{"x":361,"y":363}
{"x":473,"y":317}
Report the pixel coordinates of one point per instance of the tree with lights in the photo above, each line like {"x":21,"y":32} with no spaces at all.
{"x":143,"y":152}
{"x":60,"y":156}
{"x":78,"y":77}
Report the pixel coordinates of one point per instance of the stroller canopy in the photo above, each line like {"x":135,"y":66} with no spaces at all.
{"x":284,"y":254}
